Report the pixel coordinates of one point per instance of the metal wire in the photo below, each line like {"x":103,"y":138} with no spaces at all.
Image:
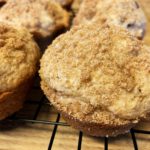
{"x":106,"y":143}
{"x":134,"y":139}
{"x":53,"y":134}
{"x":57,"y":123}
{"x":80,"y":140}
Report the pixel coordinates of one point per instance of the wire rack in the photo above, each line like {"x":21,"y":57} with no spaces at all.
{"x":43,"y":101}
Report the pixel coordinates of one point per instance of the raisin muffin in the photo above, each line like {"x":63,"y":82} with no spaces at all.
{"x":19,"y":56}
{"x":98,"y":77}
{"x":124,"y":13}
{"x":41,"y":17}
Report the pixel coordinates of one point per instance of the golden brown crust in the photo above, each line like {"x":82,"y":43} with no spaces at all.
{"x":19,"y":56}
{"x":12,"y":101}
{"x":40,"y":17}
{"x":106,"y":125}
{"x":124,"y":13}
{"x":99,"y":66}
{"x":19,"y":59}
{"x":96,"y":129}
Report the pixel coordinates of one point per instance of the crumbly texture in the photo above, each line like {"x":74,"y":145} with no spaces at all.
{"x":64,"y":3}
{"x":124,"y":13}
{"x":98,"y":67}
{"x":19,"y":55}
{"x":40,"y":17}
{"x":96,"y":123}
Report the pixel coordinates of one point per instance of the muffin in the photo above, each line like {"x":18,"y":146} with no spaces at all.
{"x":19,"y":56}
{"x":41,"y":17}
{"x":64,"y":3}
{"x":124,"y":13}
{"x":98,"y":78}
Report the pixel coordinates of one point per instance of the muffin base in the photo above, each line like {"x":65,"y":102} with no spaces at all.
{"x":12,"y":101}
{"x":89,"y":127}
{"x":96,"y":129}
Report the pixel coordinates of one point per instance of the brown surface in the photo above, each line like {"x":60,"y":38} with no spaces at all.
{"x":85,"y":75}
{"x":124,"y":13}
{"x":19,"y":59}
{"x":13,"y":101}
{"x":41,"y":17}
{"x":106,"y":124}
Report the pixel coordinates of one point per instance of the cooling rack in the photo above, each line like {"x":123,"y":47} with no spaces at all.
{"x":34,"y":120}
{"x":42,"y":101}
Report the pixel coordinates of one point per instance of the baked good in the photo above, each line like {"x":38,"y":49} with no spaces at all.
{"x":41,"y":17}
{"x":64,"y":3}
{"x":145,"y":5}
{"x":19,"y":56}
{"x":124,"y":13}
{"x":98,"y":78}
{"x":76,"y":5}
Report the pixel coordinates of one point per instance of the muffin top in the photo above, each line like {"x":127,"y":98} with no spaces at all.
{"x":102,"y":66}
{"x":19,"y":55}
{"x":124,"y":13}
{"x":40,"y":17}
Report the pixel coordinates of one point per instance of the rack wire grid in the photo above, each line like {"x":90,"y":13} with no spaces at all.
{"x":43,"y":101}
